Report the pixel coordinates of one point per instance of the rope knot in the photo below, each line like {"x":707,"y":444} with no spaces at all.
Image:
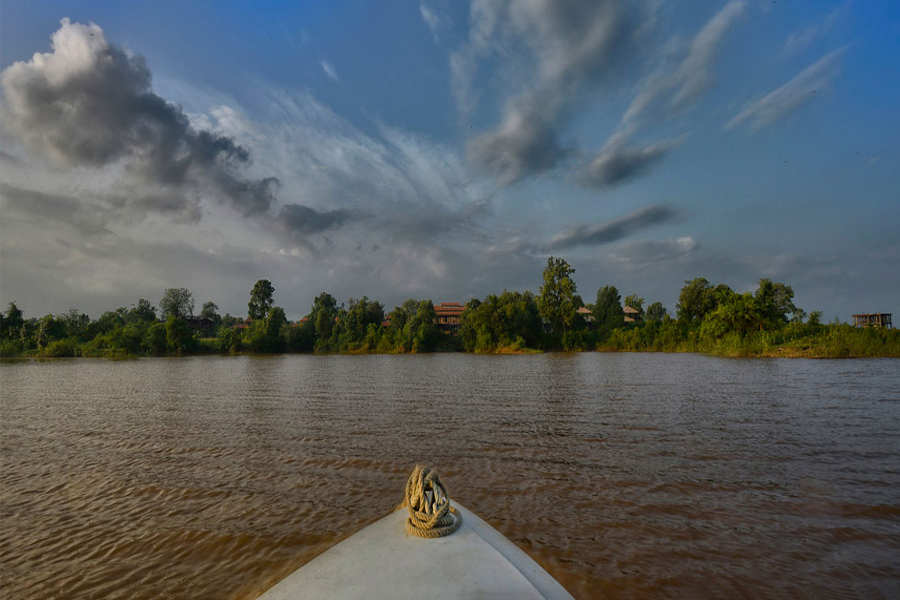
{"x":430,"y":513}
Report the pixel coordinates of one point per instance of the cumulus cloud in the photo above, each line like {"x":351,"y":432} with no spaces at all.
{"x":88,"y":103}
{"x":573,"y":44}
{"x":329,"y":70}
{"x":611,"y":231}
{"x":619,"y":163}
{"x":792,"y":95}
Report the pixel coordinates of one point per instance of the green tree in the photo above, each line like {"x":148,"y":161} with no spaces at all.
{"x":302,"y":337}
{"x":276,"y":321}
{"x":177,"y":302}
{"x":322,"y":316}
{"x":695,"y":301}
{"x":815,"y":318}
{"x":210,"y":311}
{"x":229,"y":340}
{"x":179,"y":338}
{"x":635,"y":302}
{"x":155,"y":341}
{"x":75,"y":322}
{"x":511,"y":319}
{"x":13,"y":322}
{"x":142,"y":311}
{"x":774,"y":301}
{"x":556,"y":302}
{"x":608,"y":313}
{"x":740,"y":315}
{"x":412,"y":327}
{"x":266,"y":335}
{"x":48,"y":330}
{"x":656,"y":313}
{"x":261,"y":298}
{"x":420,"y":330}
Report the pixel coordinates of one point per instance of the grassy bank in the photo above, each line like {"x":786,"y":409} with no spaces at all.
{"x":828,"y":341}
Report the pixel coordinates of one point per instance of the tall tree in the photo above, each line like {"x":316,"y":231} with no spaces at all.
{"x":695,"y":300}
{"x":13,"y":322}
{"x":178,"y":335}
{"x":322,"y":316}
{"x":261,"y":298}
{"x":608,"y":313}
{"x":177,"y":302}
{"x":75,"y":322}
{"x":556,"y":302}
{"x":142,"y":311}
{"x":360,"y":315}
{"x":656,"y":312}
{"x":774,"y":301}
{"x":210,"y":311}
{"x":635,"y":302}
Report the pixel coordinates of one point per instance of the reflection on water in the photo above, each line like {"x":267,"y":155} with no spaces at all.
{"x":625,"y":475}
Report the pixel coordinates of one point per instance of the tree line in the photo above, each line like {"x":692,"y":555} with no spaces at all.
{"x":707,"y":318}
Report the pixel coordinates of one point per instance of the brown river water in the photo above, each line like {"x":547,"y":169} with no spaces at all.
{"x":624,"y":475}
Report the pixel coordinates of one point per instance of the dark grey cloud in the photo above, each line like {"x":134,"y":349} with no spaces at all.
{"x":89,"y":103}
{"x":9,"y":158}
{"x":780,"y":102}
{"x":524,"y":144}
{"x":611,"y":231}
{"x":55,"y":207}
{"x":620,"y":163}
{"x":296,"y":218}
{"x":574,"y":43}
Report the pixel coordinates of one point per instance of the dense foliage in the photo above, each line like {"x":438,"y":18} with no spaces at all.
{"x":708,"y":318}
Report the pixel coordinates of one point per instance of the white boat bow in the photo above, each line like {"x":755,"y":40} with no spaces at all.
{"x":384,"y":561}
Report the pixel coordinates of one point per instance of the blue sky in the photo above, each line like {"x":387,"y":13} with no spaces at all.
{"x":445,"y":149}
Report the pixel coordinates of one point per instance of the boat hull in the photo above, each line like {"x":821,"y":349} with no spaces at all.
{"x":383,"y":561}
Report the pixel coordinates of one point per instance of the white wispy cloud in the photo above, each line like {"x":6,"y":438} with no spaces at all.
{"x":572,"y":45}
{"x":432,"y":19}
{"x":329,"y":70}
{"x":803,"y":38}
{"x":782,"y":101}
{"x":666,"y":90}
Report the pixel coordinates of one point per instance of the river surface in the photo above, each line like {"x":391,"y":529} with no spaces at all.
{"x":624,"y":475}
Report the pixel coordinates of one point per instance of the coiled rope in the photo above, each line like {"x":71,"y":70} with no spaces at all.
{"x":430,"y":513}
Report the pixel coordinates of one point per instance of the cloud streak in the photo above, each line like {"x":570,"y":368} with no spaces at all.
{"x":573,"y":44}
{"x":611,"y":231}
{"x":619,"y":163}
{"x":329,"y":70}
{"x":802,"y":39}
{"x":784,"y":100}
{"x":434,"y":20}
